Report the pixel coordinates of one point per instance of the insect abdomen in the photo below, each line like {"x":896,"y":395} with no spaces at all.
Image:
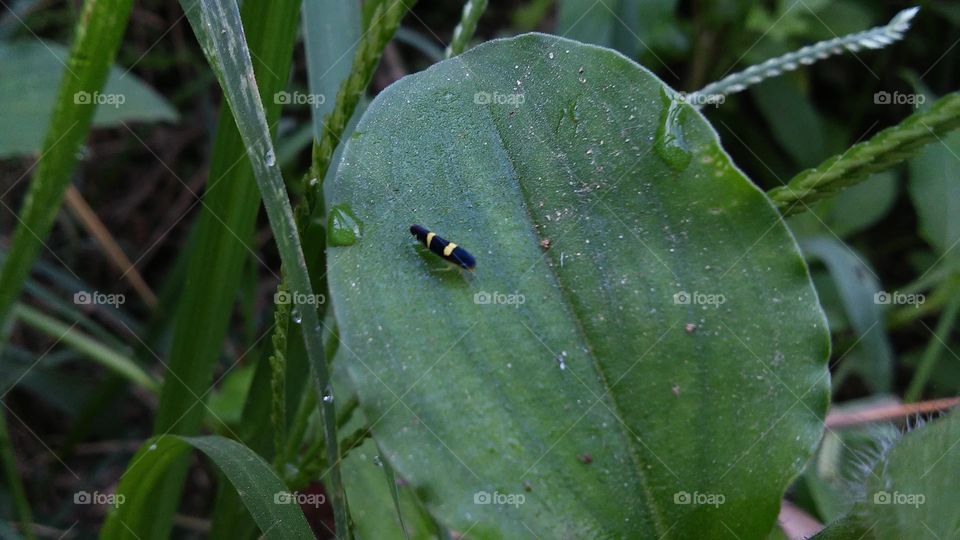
{"x":443,"y":248}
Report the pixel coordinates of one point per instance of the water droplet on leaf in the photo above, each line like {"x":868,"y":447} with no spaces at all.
{"x":670,"y":144}
{"x":343,"y":227}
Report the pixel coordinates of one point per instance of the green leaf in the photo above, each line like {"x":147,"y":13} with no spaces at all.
{"x":861,"y":295}
{"x":853,"y":210}
{"x":32,"y":73}
{"x":262,"y":492}
{"x":371,"y":502}
{"x":910,"y":491}
{"x":602,"y":396}
{"x":636,"y":29}
{"x":792,"y":119}
{"x":99,"y":31}
{"x":220,"y":245}
{"x":935,"y":192}
{"x":89,"y":347}
{"x":219,"y":30}
{"x":331,"y":31}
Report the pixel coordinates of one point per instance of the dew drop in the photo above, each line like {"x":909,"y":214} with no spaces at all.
{"x":670,"y":144}
{"x":343,"y":227}
{"x":269,"y":158}
{"x":328,"y":396}
{"x":377,"y":461}
{"x":296,"y":315}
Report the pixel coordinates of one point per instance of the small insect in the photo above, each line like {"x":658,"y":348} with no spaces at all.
{"x":449,"y":251}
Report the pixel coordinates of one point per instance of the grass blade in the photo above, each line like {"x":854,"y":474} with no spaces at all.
{"x":98,"y":35}
{"x":220,"y":32}
{"x":219,"y":245}
{"x":89,"y":347}
{"x":472,"y":11}
{"x":261,"y":491}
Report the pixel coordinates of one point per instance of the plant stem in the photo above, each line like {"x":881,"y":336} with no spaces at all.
{"x":882,"y":151}
{"x":19,"y":495}
{"x":932,"y":353}
{"x":463,"y":33}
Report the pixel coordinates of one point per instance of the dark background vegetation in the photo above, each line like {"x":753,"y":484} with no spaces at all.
{"x":85,"y":422}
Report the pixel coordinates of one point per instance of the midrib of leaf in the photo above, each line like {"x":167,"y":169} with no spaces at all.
{"x":583,"y":337}
{"x":220,"y":32}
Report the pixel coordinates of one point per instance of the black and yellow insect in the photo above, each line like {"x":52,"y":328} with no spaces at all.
{"x":449,"y":251}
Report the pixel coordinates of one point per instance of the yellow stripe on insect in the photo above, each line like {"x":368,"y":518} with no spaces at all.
{"x":447,"y":251}
{"x":429,"y":238}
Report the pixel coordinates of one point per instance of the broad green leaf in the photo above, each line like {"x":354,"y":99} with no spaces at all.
{"x":665,"y":347}
{"x":910,"y":492}
{"x":31,"y":73}
{"x":863,"y":301}
{"x":272,"y":506}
